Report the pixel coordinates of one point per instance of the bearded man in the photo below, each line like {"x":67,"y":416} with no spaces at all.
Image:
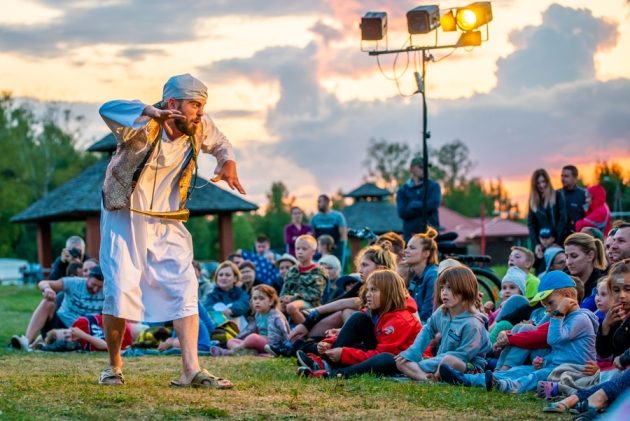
{"x":146,"y":251}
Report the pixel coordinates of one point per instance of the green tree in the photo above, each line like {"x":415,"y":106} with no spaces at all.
{"x":611,"y":177}
{"x":454,"y":162}
{"x":38,"y":155}
{"x":387,"y":163}
{"x":277,"y":214}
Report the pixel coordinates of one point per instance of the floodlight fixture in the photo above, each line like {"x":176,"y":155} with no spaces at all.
{"x":474,"y":15}
{"x":448,"y":22}
{"x":469,"y":39}
{"x":423,"y":19}
{"x":373,"y":26}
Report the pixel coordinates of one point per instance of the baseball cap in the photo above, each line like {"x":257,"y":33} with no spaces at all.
{"x":184,"y":86}
{"x":546,"y":233}
{"x":551,"y":281}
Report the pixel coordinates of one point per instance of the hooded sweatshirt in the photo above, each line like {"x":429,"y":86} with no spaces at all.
{"x":549,"y":255}
{"x":464,"y":336}
{"x":394,"y":332}
{"x":598,"y":213}
{"x":572,"y":338}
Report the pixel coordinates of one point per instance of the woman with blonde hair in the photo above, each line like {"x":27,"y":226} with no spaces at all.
{"x":547,"y":208}
{"x":421,"y":257}
{"x":586,"y":260}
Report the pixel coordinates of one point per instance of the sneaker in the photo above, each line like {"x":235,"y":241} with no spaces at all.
{"x":20,"y":342}
{"x":452,"y":376}
{"x":547,"y":390}
{"x":491,"y":382}
{"x":307,"y":372}
{"x":311,"y":361}
{"x":277,"y":351}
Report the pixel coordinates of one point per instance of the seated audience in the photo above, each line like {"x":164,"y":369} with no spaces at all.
{"x":74,"y":252}
{"x":83,"y":297}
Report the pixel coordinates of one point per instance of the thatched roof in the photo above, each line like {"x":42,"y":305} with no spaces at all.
{"x":106,"y":144}
{"x":81,"y":197}
{"x":368,"y":190}
{"x":380,"y":217}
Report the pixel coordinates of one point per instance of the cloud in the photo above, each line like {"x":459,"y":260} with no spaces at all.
{"x":558,"y":51}
{"x":559,"y":115}
{"x":135,"y":53}
{"x":132,"y":22}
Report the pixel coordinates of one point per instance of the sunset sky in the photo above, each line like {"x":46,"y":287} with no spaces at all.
{"x":290,"y":87}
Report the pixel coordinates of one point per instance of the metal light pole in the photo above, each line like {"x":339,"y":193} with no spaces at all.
{"x":423,"y":20}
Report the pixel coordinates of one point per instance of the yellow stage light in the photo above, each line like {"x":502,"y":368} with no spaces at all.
{"x":474,"y":15}
{"x":448,"y":23}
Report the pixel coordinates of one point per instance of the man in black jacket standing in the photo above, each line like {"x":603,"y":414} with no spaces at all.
{"x":574,"y":197}
{"x":412,"y":209}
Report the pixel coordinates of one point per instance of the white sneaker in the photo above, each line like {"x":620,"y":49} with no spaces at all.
{"x":20,"y":342}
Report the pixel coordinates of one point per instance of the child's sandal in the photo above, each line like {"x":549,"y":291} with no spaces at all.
{"x":556,"y":407}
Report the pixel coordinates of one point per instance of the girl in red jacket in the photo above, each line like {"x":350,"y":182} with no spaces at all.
{"x":598,"y":214}
{"x":369,"y":339}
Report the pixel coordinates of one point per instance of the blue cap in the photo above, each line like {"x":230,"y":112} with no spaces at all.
{"x":551,"y":281}
{"x":546,"y":233}
{"x":184,"y":87}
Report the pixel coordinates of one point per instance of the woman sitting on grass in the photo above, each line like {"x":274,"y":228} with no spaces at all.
{"x":461,"y":326}
{"x":368,"y":341}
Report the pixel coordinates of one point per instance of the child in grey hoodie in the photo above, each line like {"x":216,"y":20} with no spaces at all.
{"x":571,"y":336}
{"x":458,"y":322}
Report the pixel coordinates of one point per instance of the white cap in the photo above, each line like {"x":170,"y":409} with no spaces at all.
{"x":184,"y":87}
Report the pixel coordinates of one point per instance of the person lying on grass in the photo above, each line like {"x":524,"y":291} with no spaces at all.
{"x":87,"y":334}
{"x":368,"y":341}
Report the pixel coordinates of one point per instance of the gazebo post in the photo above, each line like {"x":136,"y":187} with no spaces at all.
{"x":355,"y":247}
{"x":93,"y":235}
{"x":44,"y":244}
{"x":226,"y":235}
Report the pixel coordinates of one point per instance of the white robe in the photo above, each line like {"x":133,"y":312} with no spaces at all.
{"x":146,"y":261}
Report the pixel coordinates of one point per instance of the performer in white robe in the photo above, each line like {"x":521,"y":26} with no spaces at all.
{"x":146,"y":255}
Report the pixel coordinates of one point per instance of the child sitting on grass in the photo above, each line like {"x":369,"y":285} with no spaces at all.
{"x":368,"y":341}
{"x":571,"y":337}
{"x":270,"y":329}
{"x":523,"y":259}
{"x":459,"y":322}
{"x":305,"y":283}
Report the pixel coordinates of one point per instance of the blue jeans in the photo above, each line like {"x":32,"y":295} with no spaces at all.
{"x":612,"y":388}
{"x":513,"y":356}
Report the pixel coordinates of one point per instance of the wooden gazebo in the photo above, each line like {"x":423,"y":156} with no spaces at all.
{"x":373,"y":209}
{"x":80,"y":200}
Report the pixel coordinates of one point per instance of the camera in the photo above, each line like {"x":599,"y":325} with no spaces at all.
{"x":74,"y":252}
{"x":363,"y":234}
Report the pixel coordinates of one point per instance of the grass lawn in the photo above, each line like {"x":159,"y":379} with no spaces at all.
{"x":63,"y":386}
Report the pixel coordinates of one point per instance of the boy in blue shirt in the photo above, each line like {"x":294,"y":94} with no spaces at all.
{"x":572,"y":333}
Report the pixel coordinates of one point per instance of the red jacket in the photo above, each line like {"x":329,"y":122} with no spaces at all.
{"x":533,"y":339}
{"x":598,"y":214}
{"x":395,"y":331}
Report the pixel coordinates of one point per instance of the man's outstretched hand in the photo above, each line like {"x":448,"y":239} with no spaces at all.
{"x":162,"y":116}
{"x":228,"y":174}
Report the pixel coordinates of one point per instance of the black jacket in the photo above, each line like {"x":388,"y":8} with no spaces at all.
{"x":617,"y":342}
{"x":410,"y":201}
{"x":554,"y":217}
